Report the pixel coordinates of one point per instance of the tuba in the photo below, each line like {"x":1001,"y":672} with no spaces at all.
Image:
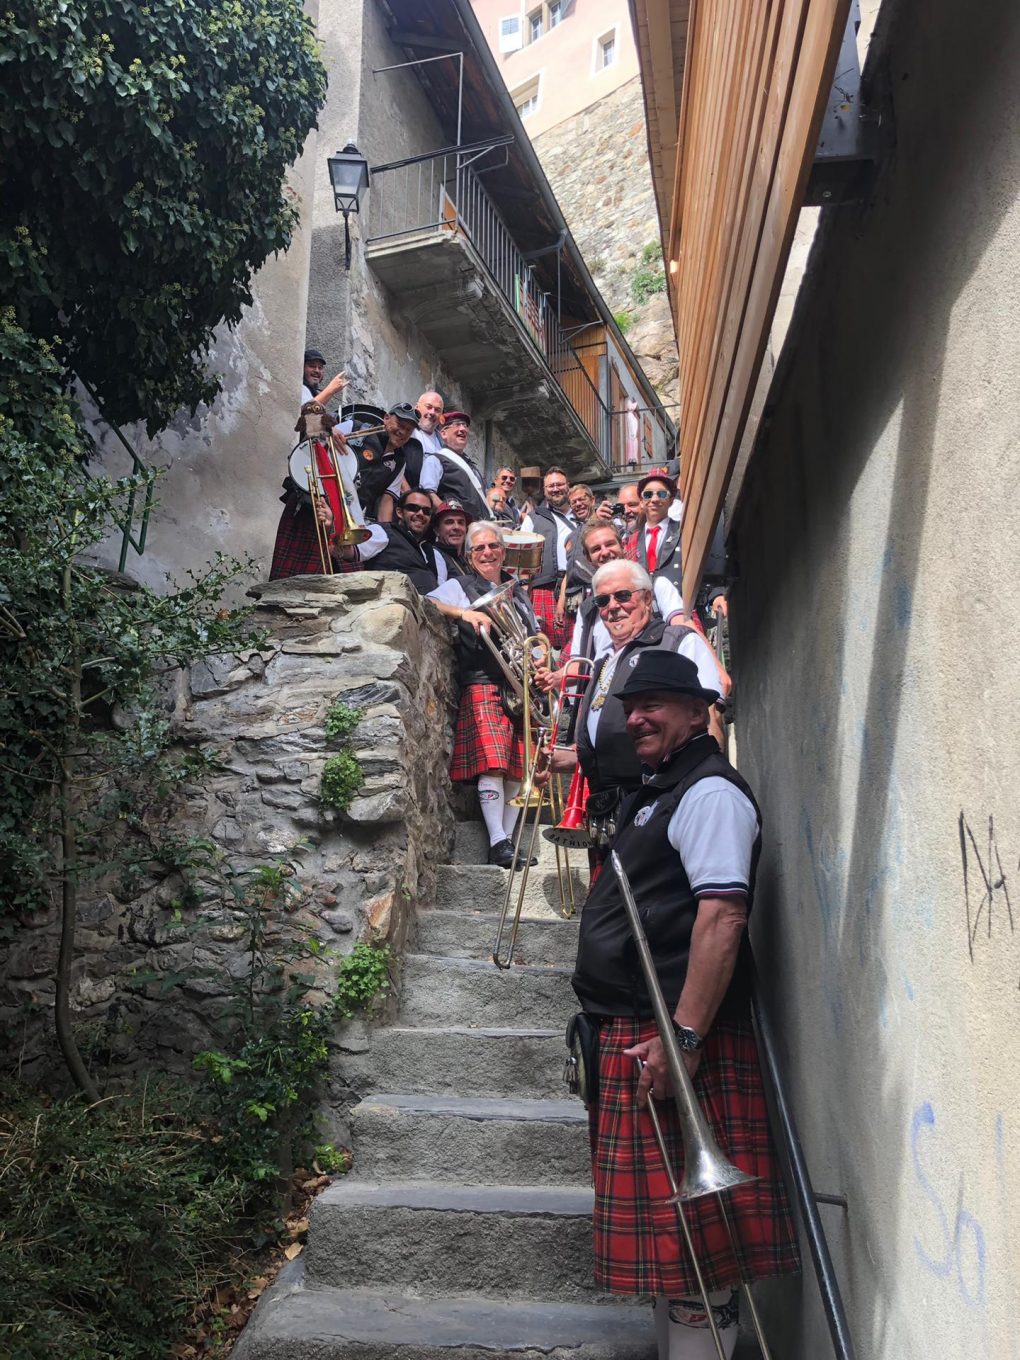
{"x":509,"y":647}
{"x":316,"y":466}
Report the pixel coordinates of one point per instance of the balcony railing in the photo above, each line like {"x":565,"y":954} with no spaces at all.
{"x":441,"y":193}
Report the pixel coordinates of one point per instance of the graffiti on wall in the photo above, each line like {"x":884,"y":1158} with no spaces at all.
{"x":989,"y":910}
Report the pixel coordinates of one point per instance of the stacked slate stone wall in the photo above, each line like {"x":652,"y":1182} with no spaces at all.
{"x":366,"y":639}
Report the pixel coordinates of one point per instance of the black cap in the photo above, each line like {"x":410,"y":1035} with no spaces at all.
{"x":403,"y":410}
{"x":314,"y":356}
{"x":665,"y":672}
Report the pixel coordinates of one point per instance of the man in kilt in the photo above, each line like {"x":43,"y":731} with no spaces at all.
{"x":689,"y":839}
{"x":488,"y":744}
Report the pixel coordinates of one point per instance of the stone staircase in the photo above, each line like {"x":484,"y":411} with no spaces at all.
{"x":465,"y":1228}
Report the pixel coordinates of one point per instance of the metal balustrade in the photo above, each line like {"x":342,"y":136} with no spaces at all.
{"x":440,"y":193}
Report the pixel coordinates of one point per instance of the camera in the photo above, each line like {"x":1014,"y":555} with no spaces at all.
{"x":618,"y":510}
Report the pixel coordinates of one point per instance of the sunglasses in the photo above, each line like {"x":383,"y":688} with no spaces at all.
{"x":488,"y":547}
{"x":620,"y":596}
{"x":419,"y":510}
{"x":508,"y":479}
{"x":650,"y":495}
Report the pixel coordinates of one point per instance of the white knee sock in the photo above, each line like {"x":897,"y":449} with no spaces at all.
{"x":511,"y":788}
{"x":683,"y":1334}
{"x":490,"y":800}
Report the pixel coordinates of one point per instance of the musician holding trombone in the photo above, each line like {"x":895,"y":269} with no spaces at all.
{"x":688,"y":839}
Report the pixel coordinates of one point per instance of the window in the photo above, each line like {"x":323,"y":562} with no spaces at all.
{"x":525,"y":98}
{"x":604,"y":54}
{"x":555,"y":13}
{"x":535,"y":26}
{"x":511,"y":39}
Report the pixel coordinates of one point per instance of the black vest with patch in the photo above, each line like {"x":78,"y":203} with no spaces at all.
{"x":378,"y":466}
{"x":612,"y":760}
{"x":607,"y":977}
{"x":475,"y":663}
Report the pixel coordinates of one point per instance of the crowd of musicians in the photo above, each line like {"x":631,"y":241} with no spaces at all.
{"x":642,"y":698}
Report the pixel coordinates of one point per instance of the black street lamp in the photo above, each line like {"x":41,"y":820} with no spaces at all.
{"x":348,"y":174}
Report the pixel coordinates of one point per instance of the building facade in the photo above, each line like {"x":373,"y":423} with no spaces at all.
{"x":878,"y":494}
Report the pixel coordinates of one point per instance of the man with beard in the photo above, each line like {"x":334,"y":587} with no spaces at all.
{"x":311,"y":379}
{"x":462,"y":478}
{"x":553,"y":521}
{"x":630,"y":499}
{"x":406,"y":545}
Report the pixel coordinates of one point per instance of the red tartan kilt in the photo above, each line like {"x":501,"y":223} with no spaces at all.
{"x":543,"y":602}
{"x":485,"y":738}
{"x":638,"y":1246}
{"x":296,"y":552}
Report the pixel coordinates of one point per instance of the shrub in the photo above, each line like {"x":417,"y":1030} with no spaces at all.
{"x":624,"y":320}
{"x":342,"y":777}
{"x":116,"y":1219}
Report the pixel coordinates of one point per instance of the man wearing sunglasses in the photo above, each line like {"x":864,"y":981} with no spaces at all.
{"x":657,"y":546}
{"x":505,"y":481}
{"x":406,"y":546}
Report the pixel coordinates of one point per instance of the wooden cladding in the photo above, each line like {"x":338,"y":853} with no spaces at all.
{"x":755,"y":76}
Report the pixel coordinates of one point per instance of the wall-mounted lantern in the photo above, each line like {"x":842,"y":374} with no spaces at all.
{"x":348,"y":174}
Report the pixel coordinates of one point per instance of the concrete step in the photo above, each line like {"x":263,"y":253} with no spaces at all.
{"x":471,"y":845}
{"x":481,"y":887}
{"x":471,"y":1141}
{"x":438,"y":992}
{"x":295,"y":1322}
{"x":470,"y":935}
{"x":519,"y":1242}
{"x":468,"y":1062}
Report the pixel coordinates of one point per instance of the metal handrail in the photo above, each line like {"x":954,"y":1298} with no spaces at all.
{"x":807,"y":1198}
{"x":142,"y":474}
{"x":439,"y":192}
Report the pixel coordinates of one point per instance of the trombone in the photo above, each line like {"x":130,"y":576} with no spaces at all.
{"x":308,"y":473}
{"x":533,"y":806}
{"x":706,"y":1170}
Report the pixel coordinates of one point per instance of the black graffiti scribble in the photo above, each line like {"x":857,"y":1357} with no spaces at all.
{"x":989,"y":880}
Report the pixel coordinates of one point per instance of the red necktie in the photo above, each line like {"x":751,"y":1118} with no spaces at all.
{"x":650,"y":551}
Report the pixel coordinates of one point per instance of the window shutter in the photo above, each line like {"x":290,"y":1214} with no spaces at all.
{"x":511,"y":38}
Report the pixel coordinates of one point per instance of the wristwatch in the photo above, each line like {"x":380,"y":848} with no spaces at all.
{"x":688,"y":1039}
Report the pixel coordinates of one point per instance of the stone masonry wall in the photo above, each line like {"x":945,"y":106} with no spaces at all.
{"x":597,"y":164}
{"x":367,"y":639}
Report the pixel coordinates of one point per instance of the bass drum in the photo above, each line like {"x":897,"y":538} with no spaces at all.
{"x":358,"y":416}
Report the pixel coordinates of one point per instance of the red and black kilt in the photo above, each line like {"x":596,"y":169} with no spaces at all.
{"x":485,"y":738}
{"x":638,"y":1246}
{"x":543,"y":602}
{"x":296,"y":552}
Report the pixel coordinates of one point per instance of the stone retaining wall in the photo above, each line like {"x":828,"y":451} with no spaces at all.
{"x":367,"y":639}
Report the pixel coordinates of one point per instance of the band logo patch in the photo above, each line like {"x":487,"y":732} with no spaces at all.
{"x":644,"y":815}
{"x":634,"y":660}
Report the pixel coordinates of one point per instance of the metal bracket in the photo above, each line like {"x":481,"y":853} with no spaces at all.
{"x":850,"y":143}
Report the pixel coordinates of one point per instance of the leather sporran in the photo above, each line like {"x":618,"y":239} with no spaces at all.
{"x":581,"y":1071}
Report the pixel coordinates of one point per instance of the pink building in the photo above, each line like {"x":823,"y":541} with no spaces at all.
{"x":559,"y":56}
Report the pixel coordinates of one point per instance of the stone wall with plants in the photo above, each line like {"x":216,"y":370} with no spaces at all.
{"x":597,"y":164}
{"x":314,"y":823}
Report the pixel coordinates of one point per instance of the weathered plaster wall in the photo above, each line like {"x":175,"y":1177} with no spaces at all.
{"x":367,"y":639}
{"x":875,"y":636}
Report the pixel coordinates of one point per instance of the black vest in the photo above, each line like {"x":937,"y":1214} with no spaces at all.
{"x":456,"y":485}
{"x":613,"y":760}
{"x":607,"y":977}
{"x":377,"y":469}
{"x":544,"y":521}
{"x":475,"y":662}
{"x":405,"y":554}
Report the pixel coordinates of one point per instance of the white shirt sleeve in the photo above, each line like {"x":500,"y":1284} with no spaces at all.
{"x":668,"y":599}
{"x":442,"y":569}
{"x":697,"y":650}
{"x":713,"y":831}
{"x":373,"y":545}
{"x":451,"y":592}
{"x":306,"y":394}
{"x":527,"y":525}
{"x":575,"y":636}
{"x":431,"y":473}
{"x":395,"y":485}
